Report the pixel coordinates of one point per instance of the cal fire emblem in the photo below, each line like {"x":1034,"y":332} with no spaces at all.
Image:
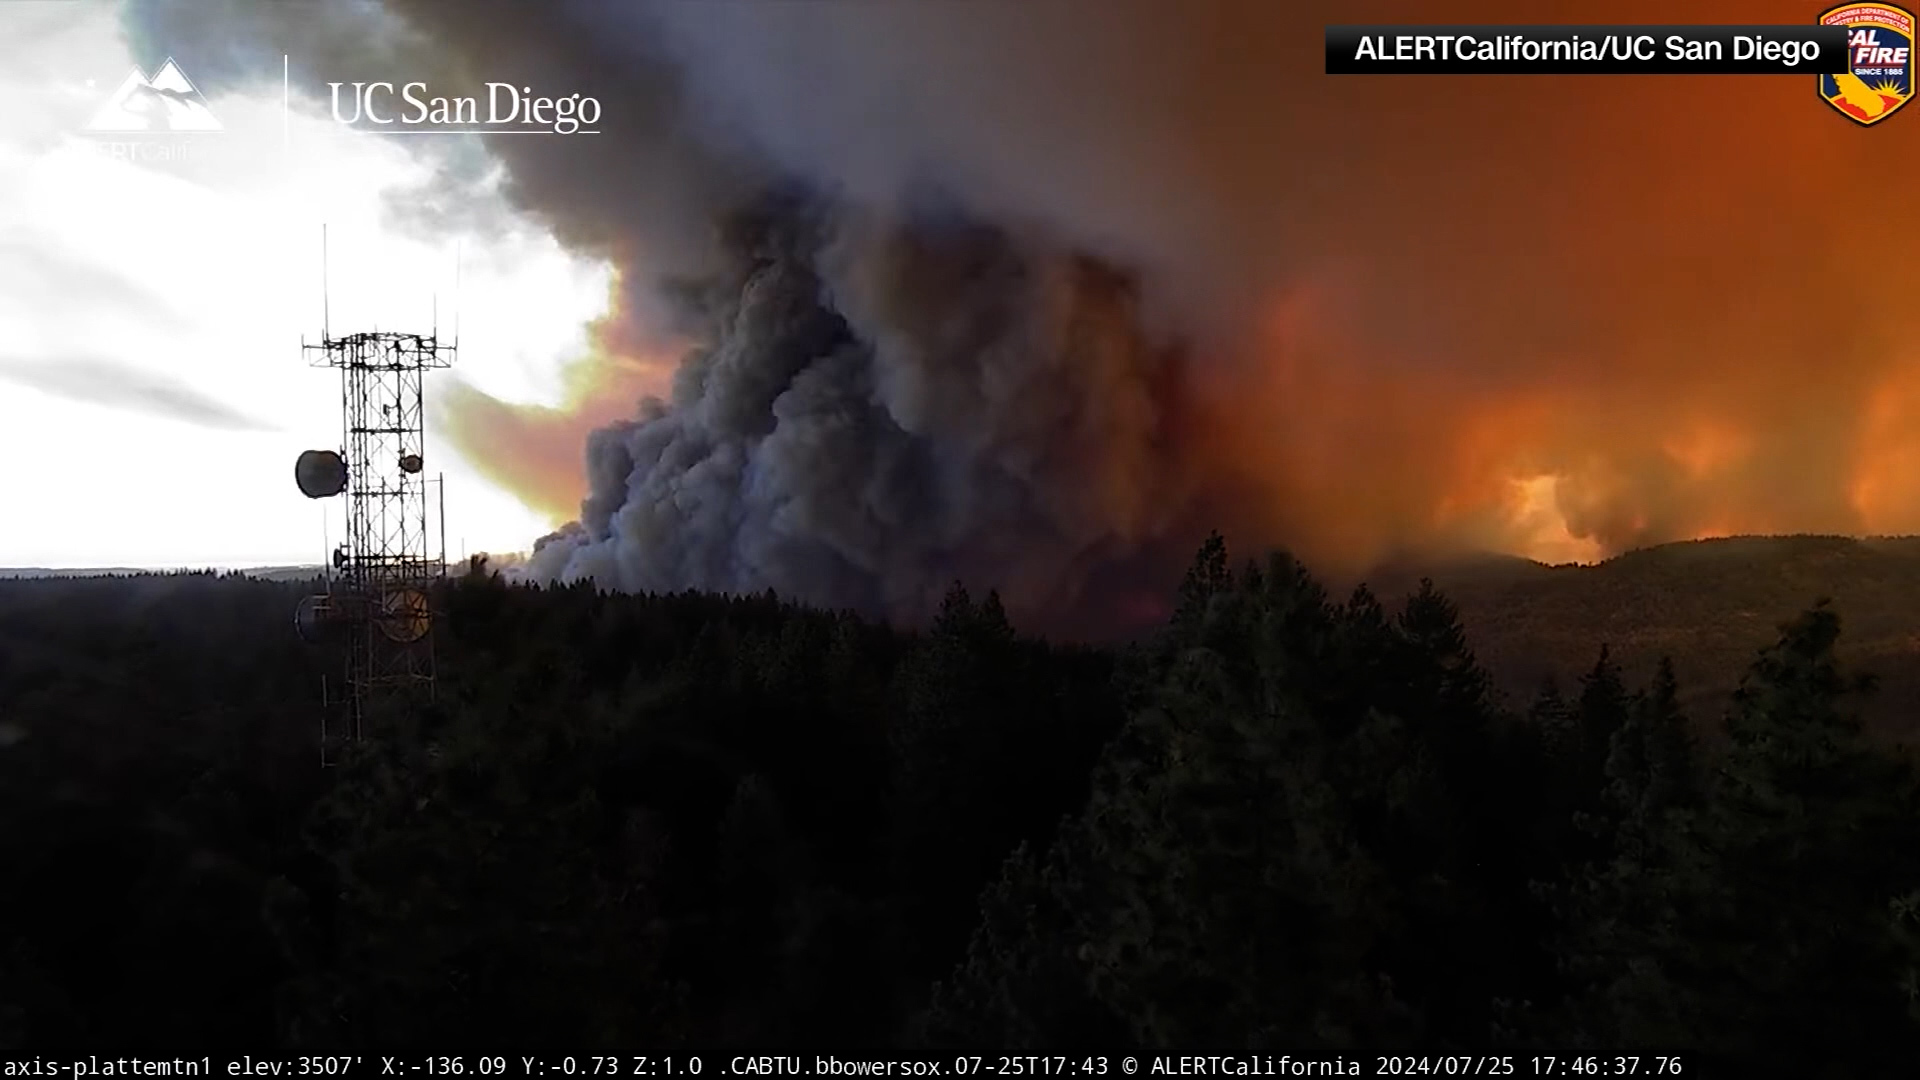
{"x":1879,"y":76}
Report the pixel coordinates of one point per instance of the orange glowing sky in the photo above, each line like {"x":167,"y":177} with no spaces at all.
{"x":1567,"y":316}
{"x":537,"y":452}
{"x":1559,"y":316}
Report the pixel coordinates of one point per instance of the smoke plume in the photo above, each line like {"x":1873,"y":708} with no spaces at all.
{"x":98,"y":380}
{"x":1029,"y":293}
{"x":881,"y":406}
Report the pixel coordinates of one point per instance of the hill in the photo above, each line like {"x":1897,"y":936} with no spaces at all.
{"x":1710,"y":605}
{"x":33,"y":572}
{"x":263,"y":573}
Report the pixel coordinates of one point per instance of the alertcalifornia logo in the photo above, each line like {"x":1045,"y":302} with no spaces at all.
{"x":1878,"y":81}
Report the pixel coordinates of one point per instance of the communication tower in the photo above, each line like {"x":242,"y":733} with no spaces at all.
{"x":378,"y":607}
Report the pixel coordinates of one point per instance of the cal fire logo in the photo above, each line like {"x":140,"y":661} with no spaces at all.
{"x":1879,"y":76}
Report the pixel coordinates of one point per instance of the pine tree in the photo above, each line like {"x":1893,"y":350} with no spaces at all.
{"x":1207,"y":577}
{"x":1758,"y":927}
{"x":1602,"y":713}
{"x":1444,"y":666}
{"x":1266,"y":856}
{"x":957,"y":614}
{"x":1599,"y":715}
{"x":1652,"y":764}
{"x":1022,"y":984}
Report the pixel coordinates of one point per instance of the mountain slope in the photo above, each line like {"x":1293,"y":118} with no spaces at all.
{"x":1710,"y":604}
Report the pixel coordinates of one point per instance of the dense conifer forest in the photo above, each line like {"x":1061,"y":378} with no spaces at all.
{"x":1286,"y":819}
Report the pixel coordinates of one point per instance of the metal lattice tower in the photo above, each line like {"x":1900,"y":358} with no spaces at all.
{"x":378,"y":605}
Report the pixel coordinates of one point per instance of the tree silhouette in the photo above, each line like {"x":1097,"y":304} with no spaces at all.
{"x":1279,"y":820}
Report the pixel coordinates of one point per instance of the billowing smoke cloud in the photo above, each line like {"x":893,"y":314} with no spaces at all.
{"x":883,"y":406}
{"x":1557,"y":316}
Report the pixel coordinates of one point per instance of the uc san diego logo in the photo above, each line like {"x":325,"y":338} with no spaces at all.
{"x":1879,"y":75}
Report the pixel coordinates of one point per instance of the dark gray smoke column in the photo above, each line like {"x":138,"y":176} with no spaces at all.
{"x":889,"y":402}
{"x":903,"y":378}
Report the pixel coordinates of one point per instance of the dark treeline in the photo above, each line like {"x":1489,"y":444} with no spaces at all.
{"x":1286,"y":820}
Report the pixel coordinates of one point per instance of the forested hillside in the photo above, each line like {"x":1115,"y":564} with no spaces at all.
{"x":1709,"y":605}
{"x":1285,"y":819}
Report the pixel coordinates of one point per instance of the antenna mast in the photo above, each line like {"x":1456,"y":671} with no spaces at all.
{"x":378,"y":607}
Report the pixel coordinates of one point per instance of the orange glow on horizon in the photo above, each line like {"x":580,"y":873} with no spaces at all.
{"x":537,"y":453}
{"x":1886,"y":481}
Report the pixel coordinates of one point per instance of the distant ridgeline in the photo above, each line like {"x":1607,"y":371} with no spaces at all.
{"x":265,"y":573}
{"x":1709,"y":604}
{"x":306,"y":572}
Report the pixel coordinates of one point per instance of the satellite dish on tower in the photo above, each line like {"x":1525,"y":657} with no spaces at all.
{"x":328,"y":617}
{"x":405,"y":615}
{"x":316,"y":619}
{"x":411,"y":463}
{"x":320,"y":474}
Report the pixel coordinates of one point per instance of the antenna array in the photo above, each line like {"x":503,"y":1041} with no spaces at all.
{"x":378,"y":607}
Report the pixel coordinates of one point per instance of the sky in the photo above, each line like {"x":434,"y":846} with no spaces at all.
{"x":154,"y":295}
{"x":1074,"y":281}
